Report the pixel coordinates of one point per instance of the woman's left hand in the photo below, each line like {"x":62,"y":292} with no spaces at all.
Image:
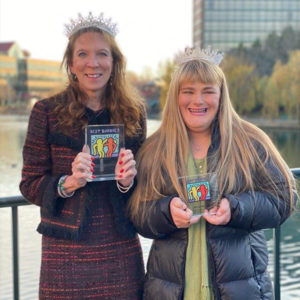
{"x":218,"y":215}
{"x":125,"y":170}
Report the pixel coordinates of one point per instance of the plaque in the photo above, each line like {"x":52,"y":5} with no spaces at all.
{"x":105,"y":142}
{"x":201,"y":192}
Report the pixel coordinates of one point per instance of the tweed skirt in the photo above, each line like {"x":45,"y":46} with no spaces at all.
{"x":104,"y":265}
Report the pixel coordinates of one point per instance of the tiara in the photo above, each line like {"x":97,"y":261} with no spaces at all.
{"x":189,"y":54}
{"x":91,"y":21}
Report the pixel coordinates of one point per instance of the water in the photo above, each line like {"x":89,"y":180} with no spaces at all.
{"x":12,"y":134}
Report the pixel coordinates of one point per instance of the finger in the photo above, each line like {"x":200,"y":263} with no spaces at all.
{"x":195,"y":219}
{"x":212,"y":219}
{"x":181,"y":223}
{"x":216,"y":219}
{"x":84,"y":158}
{"x":127,"y":178}
{"x":177,"y":202}
{"x":180,"y":214}
{"x":224,"y":205}
{"x":86,"y":149}
{"x":212,"y":210}
{"x":125,"y":156}
{"x":129,"y":166}
{"x":188,"y":212}
{"x":82,"y":168}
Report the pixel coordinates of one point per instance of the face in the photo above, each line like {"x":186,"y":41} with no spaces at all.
{"x":198,"y":104}
{"x":92,"y":62}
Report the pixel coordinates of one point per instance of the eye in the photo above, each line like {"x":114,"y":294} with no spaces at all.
{"x":187,"y":92}
{"x":81,"y":54}
{"x":103,"y":53}
{"x":210,"y":92}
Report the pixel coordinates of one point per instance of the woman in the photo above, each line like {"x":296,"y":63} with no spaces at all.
{"x":89,"y":247}
{"x":222,"y":255}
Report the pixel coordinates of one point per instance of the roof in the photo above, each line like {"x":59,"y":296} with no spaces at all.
{"x":5,"y":46}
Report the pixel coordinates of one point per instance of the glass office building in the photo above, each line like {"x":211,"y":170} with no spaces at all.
{"x":225,"y":24}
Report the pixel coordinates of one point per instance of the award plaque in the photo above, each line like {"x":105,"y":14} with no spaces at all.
{"x":105,"y":142}
{"x":201,"y":192}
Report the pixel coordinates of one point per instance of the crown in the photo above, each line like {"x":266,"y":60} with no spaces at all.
{"x":189,"y":54}
{"x":91,"y":21}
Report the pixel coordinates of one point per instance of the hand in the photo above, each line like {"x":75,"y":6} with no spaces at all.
{"x":182,"y":216}
{"x":82,"y":168}
{"x":125,"y":169}
{"x":218,"y":215}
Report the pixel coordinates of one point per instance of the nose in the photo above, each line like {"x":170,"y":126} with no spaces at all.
{"x":199,"y":98}
{"x":92,"y":61}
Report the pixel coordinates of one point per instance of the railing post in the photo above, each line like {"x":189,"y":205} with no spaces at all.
{"x":276,"y":237}
{"x":15,"y":251}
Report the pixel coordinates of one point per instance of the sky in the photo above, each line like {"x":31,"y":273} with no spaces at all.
{"x":150,"y":31}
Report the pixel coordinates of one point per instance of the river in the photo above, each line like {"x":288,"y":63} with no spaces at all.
{"x":12,"y":134}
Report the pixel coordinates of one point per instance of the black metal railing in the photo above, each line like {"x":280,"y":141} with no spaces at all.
{"x":16,"y":201}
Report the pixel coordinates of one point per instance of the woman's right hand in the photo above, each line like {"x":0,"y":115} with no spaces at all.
{"x":82,"y":171}
{"x":182,"y":216}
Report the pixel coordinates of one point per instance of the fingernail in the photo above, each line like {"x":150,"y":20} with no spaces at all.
{"x":92,"y":170}
{"x":120,"y":176}
{"x":122,"y":170}
{"x":93,"y":165}
{"x":92,"y":158}
{"x":120,"y":162}
{"x":93,"y":176}
{"x":122,"y":154}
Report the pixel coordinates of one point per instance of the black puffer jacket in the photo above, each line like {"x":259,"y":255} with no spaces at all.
{"x":238,"y":256}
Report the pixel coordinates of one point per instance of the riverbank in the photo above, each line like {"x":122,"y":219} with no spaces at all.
{"x":23,"y":113}
{"x":275,"y":123}
{"x":260,"y":122}
{"x":11,"y":110}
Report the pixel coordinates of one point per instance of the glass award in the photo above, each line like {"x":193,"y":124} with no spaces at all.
{"x":201,"y":192}
{"x":105,"y":142}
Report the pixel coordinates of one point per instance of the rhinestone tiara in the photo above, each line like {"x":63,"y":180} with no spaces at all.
{"x":189,"y":54}
{"x":91,"y":21}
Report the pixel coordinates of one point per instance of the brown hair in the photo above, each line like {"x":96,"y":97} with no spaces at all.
{"x":122,"y":101}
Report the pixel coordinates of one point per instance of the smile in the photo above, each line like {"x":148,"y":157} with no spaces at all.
{"x":93,"y":75}
{"x":198,"y":110}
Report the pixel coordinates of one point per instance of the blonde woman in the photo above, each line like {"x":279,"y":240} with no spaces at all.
{"x":223,"y":254}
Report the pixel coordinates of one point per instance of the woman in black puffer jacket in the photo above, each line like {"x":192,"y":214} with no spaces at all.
{"x":223,"y":254}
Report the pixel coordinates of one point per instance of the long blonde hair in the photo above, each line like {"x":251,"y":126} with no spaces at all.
{"x":122,"y":101}
{"x":243,"y":148}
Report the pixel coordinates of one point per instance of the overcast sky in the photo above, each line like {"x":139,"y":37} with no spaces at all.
{"x":150,"y":31}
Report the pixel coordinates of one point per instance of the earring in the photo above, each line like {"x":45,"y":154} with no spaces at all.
{"x":74,"y":77}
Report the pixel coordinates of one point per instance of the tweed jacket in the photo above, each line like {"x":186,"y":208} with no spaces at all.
{"x":47,"y":155}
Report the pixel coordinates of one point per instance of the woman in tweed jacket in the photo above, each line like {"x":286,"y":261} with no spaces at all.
{"x":89,"y":247}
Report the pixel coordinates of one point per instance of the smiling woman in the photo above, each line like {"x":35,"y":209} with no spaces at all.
{"x":208,"y":183}
{"x":198,"y":103}
{"x":92,"y":66}
{"x":89,"y":247}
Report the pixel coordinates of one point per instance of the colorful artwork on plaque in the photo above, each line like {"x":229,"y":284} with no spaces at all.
{"x":198,"y":191}
{"x":105,"y":145}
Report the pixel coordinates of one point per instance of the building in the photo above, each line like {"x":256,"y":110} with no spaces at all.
{"x":43,"y":77}
{"x":225,"y":24}
{"x":22,"y":77}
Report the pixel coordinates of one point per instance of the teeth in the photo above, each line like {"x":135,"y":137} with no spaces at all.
{"x":93,"y":75}
{"x":198,"y":110}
